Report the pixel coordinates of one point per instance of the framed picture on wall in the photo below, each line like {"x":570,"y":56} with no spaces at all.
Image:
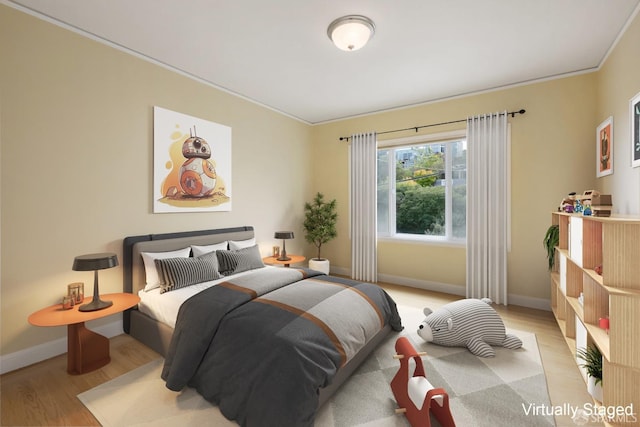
{"x":634,"y":109}
{"x":604,"y":148}
{"x":191,"y":163}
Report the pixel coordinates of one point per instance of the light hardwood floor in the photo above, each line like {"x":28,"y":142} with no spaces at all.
{"x":45,"y":395}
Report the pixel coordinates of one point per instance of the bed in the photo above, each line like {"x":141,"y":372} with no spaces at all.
{"x":278,"y":378}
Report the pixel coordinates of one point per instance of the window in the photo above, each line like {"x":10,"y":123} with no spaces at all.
{"x":422,"y":188}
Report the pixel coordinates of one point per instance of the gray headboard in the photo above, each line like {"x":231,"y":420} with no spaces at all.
{"x":133,"y":266}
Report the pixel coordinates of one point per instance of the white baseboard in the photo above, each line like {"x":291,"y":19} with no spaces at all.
{"x":531,"y":302}
{"x":29,"y":356}
{"x":447,"y":288}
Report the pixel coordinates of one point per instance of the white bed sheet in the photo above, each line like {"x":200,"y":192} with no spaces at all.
{"x":164,"y":307}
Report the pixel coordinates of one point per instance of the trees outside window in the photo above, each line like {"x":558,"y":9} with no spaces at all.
{"x":422,"y":190}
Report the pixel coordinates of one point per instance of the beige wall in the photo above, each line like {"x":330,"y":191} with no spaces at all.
{"x":76,"y":157}
{"x":76,"y":134}
{"x":552,"y":154}
{"x":618,"y":82}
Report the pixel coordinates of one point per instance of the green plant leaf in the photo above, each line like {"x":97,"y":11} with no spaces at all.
{"x":592,"y":358}
{"x":550,"y":241}
{"x":320,"y":221}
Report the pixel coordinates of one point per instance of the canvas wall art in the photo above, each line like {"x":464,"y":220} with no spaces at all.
{"x":634,"y":108}
{"x":604,"y":148}
{"x":192,"y":163}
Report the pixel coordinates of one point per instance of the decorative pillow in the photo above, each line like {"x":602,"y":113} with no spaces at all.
{"x":234,"y":245}
{"x":176,"y":273}
{"x":153,"y":281}
{"x":201,"y":250}
{"x":240,"y":260}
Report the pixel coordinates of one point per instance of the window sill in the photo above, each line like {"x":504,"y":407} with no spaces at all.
{"x":420,"y":240}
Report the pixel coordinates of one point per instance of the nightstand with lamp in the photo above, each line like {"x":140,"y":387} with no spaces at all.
{"x":86,"y":350}
{"x":283,"y":259}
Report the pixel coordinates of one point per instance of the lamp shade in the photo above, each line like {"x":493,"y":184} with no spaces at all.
{"x":284,"y":235}
{"x":93,"y":262}
{"x":351,"y":32}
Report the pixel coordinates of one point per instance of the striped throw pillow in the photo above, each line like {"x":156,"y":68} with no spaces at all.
{"x":176,"y":273}
{"x":244,"y":259}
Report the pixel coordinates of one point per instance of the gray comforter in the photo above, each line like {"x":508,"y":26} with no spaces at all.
{"x":261,"y":345}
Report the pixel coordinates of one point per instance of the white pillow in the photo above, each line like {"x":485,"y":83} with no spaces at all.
{"x":201,"y":250}
{"x":234,"y":245}
{"x":153,"y":281}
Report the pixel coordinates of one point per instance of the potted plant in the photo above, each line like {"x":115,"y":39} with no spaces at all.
{"x":593,"y":364}
{"x":550,"y":241}
{"x":320,"y":227}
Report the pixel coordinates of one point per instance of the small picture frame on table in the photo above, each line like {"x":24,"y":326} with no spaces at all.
{"x":634,"y":110}
{"x":276,"y":251}
{"x":604,"y":148}
{"x":76,"y":290}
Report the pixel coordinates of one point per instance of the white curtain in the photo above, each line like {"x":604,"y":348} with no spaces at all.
{"x":488,"y":206}
{"x":364,"y":251}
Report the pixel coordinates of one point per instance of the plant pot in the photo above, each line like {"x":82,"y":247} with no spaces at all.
{"x":322,"y":265}
{"x":595,"y":390}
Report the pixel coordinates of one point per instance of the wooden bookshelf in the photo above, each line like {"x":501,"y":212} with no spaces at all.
{"x":580,"y":297}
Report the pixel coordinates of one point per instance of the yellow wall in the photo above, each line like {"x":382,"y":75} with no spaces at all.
{"x":77,"y":173}
{"x":76,"y":164}
{"x":552,"y":155}
{"x":618,"y":82}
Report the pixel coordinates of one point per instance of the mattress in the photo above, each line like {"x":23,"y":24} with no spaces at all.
{"x":164,"y":307}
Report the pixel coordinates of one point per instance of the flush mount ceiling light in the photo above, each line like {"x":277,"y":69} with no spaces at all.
{"x":351,"y":32}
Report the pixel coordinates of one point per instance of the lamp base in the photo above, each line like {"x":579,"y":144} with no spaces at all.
{"x":284,"y":258}
{"x":96,"y":304}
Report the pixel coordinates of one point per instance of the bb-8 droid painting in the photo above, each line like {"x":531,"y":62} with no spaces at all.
{"x":197,"y":175}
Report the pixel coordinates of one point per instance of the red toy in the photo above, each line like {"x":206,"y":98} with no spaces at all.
{"x":415,"y":395}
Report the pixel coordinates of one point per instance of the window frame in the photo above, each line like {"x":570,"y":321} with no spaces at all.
{"x":434,"y":138}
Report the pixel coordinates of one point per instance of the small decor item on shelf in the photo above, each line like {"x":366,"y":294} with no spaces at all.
{"x":568,"y":203}
{"x":276,"y":251}
{"x":601,"y":205}
{"x":581,"y":298}
{"x":587,"y":211}
{"x":550,"y":242}
{"x":578,"y":208}
{"x":603,"y":322}
{"x":593,"y":364}
{"x":598,"y":269}
{"x":587,"y":196}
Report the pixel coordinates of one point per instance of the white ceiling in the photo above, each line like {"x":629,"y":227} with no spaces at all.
{"x":277,"y":52}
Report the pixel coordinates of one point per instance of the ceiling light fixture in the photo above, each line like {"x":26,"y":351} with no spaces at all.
{"x":351,"y":32}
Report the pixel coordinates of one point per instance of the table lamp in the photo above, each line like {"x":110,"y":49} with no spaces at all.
{"x":95,"y":262}
{"x":284,"y":235}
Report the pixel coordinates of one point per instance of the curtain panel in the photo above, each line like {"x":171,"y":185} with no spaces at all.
{"x":364,"y":240}
{"x":488,"y":210}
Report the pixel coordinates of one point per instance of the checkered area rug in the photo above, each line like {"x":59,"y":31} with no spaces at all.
{"x":483,"y":392}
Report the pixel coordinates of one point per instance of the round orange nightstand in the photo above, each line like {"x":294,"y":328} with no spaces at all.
{"x":274,"y":260}
{"x":86,"y":350}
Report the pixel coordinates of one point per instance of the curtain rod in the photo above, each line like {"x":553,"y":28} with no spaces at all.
{"x":511,"y":113}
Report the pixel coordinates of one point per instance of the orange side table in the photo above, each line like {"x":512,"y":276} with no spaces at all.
{"x":86,"y":350}
{"x":274,"y":260}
